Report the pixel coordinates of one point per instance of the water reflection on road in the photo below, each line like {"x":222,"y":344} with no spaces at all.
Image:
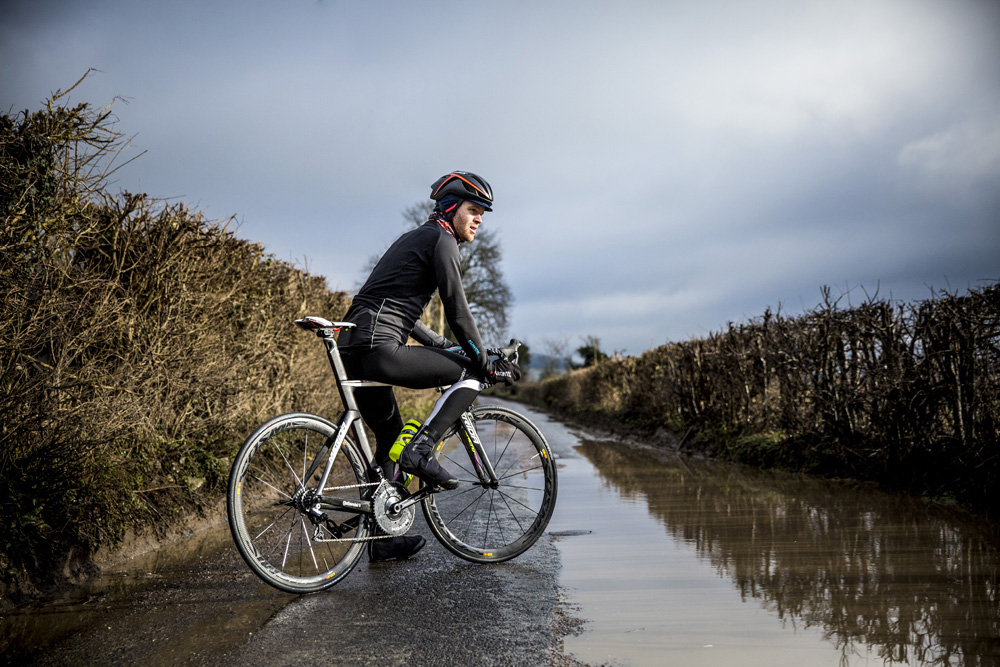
{"x":694,"y":563}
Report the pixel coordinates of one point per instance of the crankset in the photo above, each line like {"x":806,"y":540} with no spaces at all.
{"x":393,"y":514}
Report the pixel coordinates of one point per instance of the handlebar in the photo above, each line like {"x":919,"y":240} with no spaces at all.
{"x":509,"y":352}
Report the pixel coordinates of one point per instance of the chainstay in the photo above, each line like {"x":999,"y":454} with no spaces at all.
{"x":371,"y":538}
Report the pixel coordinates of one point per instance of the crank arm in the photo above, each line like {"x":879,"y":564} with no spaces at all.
{"x":413,"y":500}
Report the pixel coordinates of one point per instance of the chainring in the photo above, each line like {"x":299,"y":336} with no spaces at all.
{"x":387,"y":495}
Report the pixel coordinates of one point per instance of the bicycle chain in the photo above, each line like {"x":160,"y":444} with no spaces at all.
{"x":319,"y":527}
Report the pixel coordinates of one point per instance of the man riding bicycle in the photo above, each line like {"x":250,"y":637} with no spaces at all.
{"x":386,"y":312}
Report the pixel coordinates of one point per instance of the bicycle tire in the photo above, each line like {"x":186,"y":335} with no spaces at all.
{"x":276,"y":538}
{"x":487,"y":525}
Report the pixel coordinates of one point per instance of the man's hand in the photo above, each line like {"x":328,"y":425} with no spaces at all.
{"x":501,"y":370}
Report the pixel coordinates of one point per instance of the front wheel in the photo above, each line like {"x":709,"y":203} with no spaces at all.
{"x":486,"y":523}
{"x":270,"y":496}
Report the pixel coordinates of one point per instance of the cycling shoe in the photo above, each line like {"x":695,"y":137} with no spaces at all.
{"x":418,"y":459}
{"x":395,"y":548}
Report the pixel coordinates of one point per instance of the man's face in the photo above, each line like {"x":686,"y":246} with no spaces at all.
{"x":467,"y":219}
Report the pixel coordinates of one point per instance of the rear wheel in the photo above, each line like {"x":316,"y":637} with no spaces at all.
{"x":269,"y":500}
{"x":485,"y":523}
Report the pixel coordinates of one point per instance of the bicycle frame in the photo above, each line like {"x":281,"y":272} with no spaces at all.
{"x":342,"y":492}
{"x":350,"y":417}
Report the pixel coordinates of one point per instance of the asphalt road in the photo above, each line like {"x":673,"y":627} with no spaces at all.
{"x":198,"y":603}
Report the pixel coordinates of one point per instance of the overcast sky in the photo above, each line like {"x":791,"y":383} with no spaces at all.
{"x":659,"y":168}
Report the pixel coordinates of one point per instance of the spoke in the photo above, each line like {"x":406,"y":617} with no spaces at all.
{"x":262,"y":470}
{"x":270,"y":525}
{"x":519,"y":486}
{"x":519,"y":472}
{"x":468,"y":526}
{"x":499,"y":523}
{"x":305,"y":532}
{"x":268,"y":484}
{"x":489,"y":513}
{"x":469,"y":489}
{"x":285,"y":459}
{"x":509,"y":440}
{"x":509,"y":509}
{"x":514,"y":462}
{"x":291,"y":527}
{"x":462,"y":511}
{"x":527,"y":507}
{"x":288,"y":543}
{"x":462,"y":467}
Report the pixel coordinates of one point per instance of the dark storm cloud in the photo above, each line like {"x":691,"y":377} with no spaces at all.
{"x":660,"y":168}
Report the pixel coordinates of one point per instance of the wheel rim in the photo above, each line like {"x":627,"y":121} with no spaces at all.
{"x":275,"y":534}
{"x":484,"y":523}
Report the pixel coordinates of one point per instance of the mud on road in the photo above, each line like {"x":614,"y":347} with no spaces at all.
{"x":196,"y":602}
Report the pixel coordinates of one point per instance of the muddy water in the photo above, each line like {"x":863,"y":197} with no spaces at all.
{"x":682,"y":562}
{"x":191,"y":599}
{"x":668,"y":562}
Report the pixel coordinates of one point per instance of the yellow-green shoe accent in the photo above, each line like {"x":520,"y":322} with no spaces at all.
{"x":409,"y":430}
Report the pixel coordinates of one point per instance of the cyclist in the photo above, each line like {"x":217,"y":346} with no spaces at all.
{"x":386,"y":312}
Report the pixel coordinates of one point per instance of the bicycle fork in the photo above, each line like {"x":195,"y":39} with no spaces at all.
{"x":484,"y":467}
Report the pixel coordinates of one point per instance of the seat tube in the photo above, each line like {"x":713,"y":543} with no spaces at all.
{"x":352,"y":415}
{"x":339,"y":372}
{"x":346,"y":420}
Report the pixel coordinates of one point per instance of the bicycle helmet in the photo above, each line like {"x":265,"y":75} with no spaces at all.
{"x":464,"y":185}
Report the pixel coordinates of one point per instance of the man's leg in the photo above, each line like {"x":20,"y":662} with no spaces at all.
{"x":423,"y":367}
{"x":417,"y":457}
{"x":380,"y":412}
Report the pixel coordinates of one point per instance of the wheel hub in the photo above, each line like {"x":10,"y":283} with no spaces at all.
{"x":303,"y":499}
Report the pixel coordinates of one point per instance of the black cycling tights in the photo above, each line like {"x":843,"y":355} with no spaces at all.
{"x":415,"y":367}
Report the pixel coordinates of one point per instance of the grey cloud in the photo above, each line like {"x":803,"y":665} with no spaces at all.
{"x":660,"y":168}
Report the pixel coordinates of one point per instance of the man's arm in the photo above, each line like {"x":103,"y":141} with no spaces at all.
{"x":447,"y":269}
{"x":427,"y":336}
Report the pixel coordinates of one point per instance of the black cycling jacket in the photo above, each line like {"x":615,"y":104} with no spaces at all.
{"x":387,"y":309}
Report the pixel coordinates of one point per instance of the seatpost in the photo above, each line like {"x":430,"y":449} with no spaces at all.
{"x":337,"y":364}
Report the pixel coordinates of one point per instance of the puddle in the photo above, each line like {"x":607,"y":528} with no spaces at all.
{"x":672,"y":561}
{"x":194,"y":587}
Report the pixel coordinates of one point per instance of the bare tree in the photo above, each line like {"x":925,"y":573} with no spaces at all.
{"x":590,"y":351}
{"x":556,"y":357}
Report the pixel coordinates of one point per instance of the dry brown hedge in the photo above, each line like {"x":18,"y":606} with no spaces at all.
{"x":139,"y":344}
{"x":905,"y":394}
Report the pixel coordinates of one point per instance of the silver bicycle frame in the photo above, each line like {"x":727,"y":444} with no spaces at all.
{"x":351,"y":415}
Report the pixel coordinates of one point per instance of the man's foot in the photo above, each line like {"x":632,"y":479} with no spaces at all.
{"x":395,"y":548}
{"x":418,"y":459}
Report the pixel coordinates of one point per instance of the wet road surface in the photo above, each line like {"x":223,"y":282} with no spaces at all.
{"x":668,"y":561}
{"x":701,"y":563}
{"x":196,"y":602}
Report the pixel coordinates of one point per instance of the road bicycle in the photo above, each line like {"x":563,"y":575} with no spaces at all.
{"x":305,"y":497}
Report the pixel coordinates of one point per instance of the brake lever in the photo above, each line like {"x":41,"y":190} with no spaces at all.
{"x":510,"y":352}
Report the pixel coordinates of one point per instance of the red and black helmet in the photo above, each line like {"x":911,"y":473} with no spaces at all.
{"x":464,"y":185}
